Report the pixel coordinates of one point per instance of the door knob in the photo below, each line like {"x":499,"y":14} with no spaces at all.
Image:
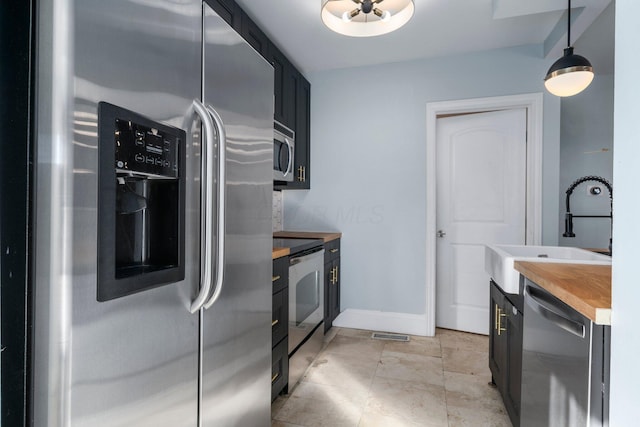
{"x":441,"y":233}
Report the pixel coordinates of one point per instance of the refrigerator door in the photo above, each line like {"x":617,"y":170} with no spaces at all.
{"x":236,"y":364}
{"x":131,"y":361}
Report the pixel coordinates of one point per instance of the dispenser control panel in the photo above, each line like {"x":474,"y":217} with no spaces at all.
{"x":146,"y":150}
{"x":141,"y":202}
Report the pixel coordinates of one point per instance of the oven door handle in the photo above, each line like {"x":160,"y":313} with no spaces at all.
{"x":222,"y":206}
{"x":298,"y":260}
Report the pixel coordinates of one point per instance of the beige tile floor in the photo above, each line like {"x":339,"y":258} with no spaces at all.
{"x":357,"y":381}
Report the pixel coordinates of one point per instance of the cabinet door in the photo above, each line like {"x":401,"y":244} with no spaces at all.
{"x":334,"y":298}
{"x":229,"y":11}
{"x":279,"y":369}
{"x":331,"y":293}
{"x":497,"y":345}
{"x":297,"y":95}
{"x":254,"y":36}
{"x":511,"y":392}
{"x":303,"y":134}
{"x":327,"y":296}
{"x":279,"y":316}
{"x":281,"y":69}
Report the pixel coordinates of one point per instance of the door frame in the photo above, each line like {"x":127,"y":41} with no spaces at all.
{"x":532,"y":102}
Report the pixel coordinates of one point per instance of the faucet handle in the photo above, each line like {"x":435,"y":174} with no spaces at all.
{"x":568,"y":225}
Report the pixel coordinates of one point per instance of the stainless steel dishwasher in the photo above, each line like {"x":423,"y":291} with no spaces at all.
{"x":565,"y":364}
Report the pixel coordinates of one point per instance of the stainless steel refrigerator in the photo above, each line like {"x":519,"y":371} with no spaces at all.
{"x":152,"y":180}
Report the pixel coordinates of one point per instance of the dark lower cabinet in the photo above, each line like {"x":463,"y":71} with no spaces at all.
{"x":505,"y":349}
{"x":279,"y":327}
{"x":331,"y":282}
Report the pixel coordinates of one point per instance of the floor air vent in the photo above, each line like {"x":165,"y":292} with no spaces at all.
{"x":390,"y":337}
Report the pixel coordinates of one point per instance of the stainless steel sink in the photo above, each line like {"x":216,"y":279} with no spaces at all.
{"x":499,"y":260}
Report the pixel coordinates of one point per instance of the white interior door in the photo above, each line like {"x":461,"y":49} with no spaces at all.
{"x":481,"y":199}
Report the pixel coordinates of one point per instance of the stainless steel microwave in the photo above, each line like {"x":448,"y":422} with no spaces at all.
{"x":283,"y":152}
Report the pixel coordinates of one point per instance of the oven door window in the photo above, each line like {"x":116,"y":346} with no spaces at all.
{"x":307,"y":297}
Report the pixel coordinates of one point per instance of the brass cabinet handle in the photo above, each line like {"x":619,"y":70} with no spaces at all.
{"x":274,"y":278}
{"x":275,"y":377}
{"x":274,"y":322}
{"x":500,"y":315}
{"x":334,"y":276}
{"x":301,"y":173}
{"x":333,"y":251}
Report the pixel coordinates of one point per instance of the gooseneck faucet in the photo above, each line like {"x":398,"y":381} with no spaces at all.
{"x":568,"y":217}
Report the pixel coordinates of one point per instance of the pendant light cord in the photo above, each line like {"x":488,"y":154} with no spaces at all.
{"x":569,"y":24}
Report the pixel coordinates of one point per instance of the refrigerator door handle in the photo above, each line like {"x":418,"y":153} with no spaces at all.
{"x":207,"y":198}
{"x":554,"y":314}
{"x":222,"y":206}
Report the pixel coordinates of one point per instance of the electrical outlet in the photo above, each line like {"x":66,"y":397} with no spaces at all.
{"x":594,"y":190}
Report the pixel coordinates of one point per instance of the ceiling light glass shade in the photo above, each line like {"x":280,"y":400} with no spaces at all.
{"x":390,"y":15}
{"x":569,"y":75}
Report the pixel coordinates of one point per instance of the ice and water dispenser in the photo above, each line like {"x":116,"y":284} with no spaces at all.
{"x":141,"y":206}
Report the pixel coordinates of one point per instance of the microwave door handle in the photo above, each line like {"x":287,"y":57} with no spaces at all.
{"x":206,"y":215}
{"x":222,"y":206}
{"x":290,"y":158}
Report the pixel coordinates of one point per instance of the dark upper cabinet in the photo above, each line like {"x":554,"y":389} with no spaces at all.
{"x":302,"y":178}
{"x":292,"y":92}
{"x":229,"y":11}
{"x":297,"y":95}
{"x":284,"y":96}
{"x":254,"y":36}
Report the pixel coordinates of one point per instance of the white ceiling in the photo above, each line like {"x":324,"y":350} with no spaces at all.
{"x":438,"y":28}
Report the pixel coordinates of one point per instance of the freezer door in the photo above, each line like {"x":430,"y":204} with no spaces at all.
{"x":133,"y":360}
{"x":236,"y":364}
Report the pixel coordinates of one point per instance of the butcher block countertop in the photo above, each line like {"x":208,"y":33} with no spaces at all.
{"x":585,"y":288}
{"x":326,"y":237}
{"x":279,"y":252}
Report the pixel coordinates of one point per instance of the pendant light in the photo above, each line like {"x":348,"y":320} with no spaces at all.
{"x":570,"y":74}
{"x":365,"y":18}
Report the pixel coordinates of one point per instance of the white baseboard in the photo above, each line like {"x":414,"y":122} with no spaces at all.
{"x":383,"y":321}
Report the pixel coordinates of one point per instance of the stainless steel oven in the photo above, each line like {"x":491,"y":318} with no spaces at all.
{"x":306,"y":310}
{"x":283,"y":151}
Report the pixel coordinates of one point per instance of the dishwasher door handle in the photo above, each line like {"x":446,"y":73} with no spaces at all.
{"x":551,"y":312}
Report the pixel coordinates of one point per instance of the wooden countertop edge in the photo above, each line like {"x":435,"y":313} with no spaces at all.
{"x":322,"y":235}
{"x":585,"y":288}
{"x":279,"y":252}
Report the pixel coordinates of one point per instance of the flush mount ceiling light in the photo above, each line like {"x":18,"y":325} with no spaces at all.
{"x":570,"y":74}
{"x":365,"y":18}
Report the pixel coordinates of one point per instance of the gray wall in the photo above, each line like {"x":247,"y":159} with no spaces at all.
{"x":625,"y":340}
{"x":586,"y":136}
{"x":368,"y":164}
{"x":586,"y":148}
